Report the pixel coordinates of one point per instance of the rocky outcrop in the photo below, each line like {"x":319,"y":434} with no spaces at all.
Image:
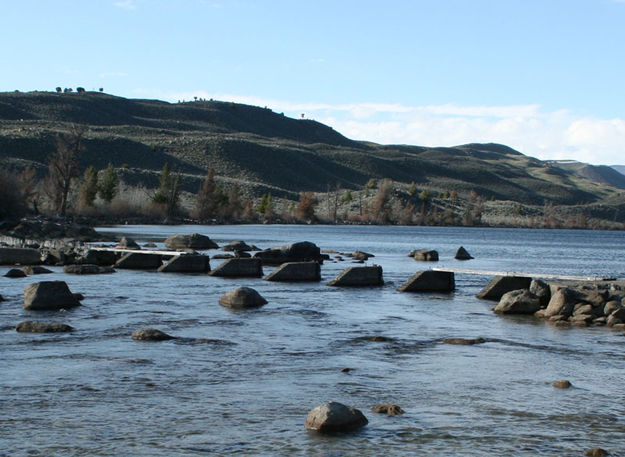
{"x":303,"y":251}
{"x":518,"y":302}
{"x":359,"y":277}
{"x":187,"y":263}
{"x":334,"y":417}
{"x":192,"y":241}
{"x":49,"y":295}
{"x":86,"y":269}
{"x":241,"y":298}
{"x":43,"y":327}
{"x":462,"y":254}
{"x":138,"y":261}
{"x":425,"y":255}
{"x":19,"y":256}
{"x":295,"y":272}
{"x":151,"y":334}
{"x":429,"y":281}
{"x":499,"y":285}
{"x":239,"y":268}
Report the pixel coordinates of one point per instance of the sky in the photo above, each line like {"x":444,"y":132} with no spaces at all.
{"x":546,"y":77}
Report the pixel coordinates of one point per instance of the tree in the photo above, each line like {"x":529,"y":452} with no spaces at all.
{"x":108,"y":185}
{"x":211,"y":199}
{"x":89,"y":186}
{"x":347,"y":197}
{"x":381,"y":209}
{"x":265,"y":207}
{"x":28,"y":187}
{"x":63,"y":167}
{"x":168,"y":193}
{"x":306,"y":207}
{"x":234,"y":206}
{"x":412,"y":190}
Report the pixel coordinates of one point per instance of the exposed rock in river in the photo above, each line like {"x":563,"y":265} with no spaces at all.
{"x":242,"y":297}
{"x":193,"y":241}
{"x":151,"y":334}
{"x":49,"y":295}
{"x":333,"y":417}
{"x":42,"y":327}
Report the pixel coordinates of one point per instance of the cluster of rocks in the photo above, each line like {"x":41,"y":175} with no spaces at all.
{"x":584,"y":303}
{"x":48,"y":228}
{"x":430,"y":255}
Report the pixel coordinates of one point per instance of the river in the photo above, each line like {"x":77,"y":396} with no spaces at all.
{"x":245,"y":386}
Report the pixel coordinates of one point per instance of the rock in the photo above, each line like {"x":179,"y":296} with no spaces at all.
{"x":359,"y":277}
{"x":19,"y":256}
{"x":149,"y":245}
{"x":562,"y":384}
{"x":42,"y":327}
{"x":429,"y":281}
{"x":596,"y":452}
{"x":151,"y":334}
{"x":303,"y":251}
{"x":619,"y":314}
{"x":582,"y":308}
{"x":36,"y":270}
{"x":360,"y":255}
{"x":464,"y":341}
{"x":333,"y":417}
{"x":296,"y":271}
{"x":193,"y":241}
{"x":95,"y":257}
{"x":581,"y":320}
{"x":15,"y":273}
{"x":542,"y":290}
{"x":127,"y":243}
{"x":187,"y":263}
{"x":611,"y":306}
{"x":237,"y":246}
{"x":387,"y":408}
{"x":137,"y":261}
{"x":499,"y":285}
{"x":612,"y":320}
{"x":49,"y":295}
{"x":462,"y":254}
{"x":426,"y":255}
{"x":242,"y":297}
{"x":1,"y":298}
{"x":223,"y":256}
{"x":86,"y":269}
{"x":518,"y":302}
{"x":239,"y":267}
{"x":561,"y":303}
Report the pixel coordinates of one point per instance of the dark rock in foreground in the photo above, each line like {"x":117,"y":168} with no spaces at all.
{"x":192,"y":241}
{"x":429,"y":281}
{"x":242,"y":297}
{"x":151,"y":334}
{"x":303,"y":251}
{"x":359,"y":277}
{"x":42,"y":327}
{"x":499,"y":285}
{"x":334,"y":417}
{"x":388,"y":409}
{"x":49,"y":295}
{"x":296,"y":271}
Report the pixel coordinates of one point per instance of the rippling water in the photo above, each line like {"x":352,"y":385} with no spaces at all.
{"x":245,"y":388}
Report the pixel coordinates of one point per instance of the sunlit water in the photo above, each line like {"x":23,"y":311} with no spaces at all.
{"x":246,"y":389}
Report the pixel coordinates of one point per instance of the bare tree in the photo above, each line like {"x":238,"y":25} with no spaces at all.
{"x":63,"y":166}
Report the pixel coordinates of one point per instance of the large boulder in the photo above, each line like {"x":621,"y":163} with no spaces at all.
{"x":137,"y":261}
{"x":562,"y":303}
{"x":520,"y":301}
{"x":462,"y":254}
{"x":191,"y":241}
{"x":429,"y":281}
{"x":86,"y":269}
{"x":296,"y":271}
{"x":334,"y":417}
{"x":425,"y":255}
{"x":49,"y":295}
{"x":19,"y":256}
{"x":359,"y":277}
{"x":542,"y":290}
{"x":42,"y":327}
{"x":239,"y":268}
{"x":242,"y":297}
{"x":303,"y":251}
{"x":499,"y":285}
{"x":186,"y":263}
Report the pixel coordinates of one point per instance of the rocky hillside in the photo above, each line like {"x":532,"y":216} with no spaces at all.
{"x":264,"y":151}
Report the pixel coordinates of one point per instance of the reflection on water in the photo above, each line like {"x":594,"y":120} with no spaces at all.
{"x":242,"y":382}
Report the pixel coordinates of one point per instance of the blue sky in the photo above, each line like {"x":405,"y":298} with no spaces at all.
{"x":546,"y":77}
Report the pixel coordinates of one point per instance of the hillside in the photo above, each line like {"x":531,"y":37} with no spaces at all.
{"x":263,"y":151}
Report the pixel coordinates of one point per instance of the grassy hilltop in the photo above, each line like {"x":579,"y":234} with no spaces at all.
{"x":264,"y":152}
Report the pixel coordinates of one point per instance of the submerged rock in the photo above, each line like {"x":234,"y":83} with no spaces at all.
{"x":151,"y":334}
{"x":36,"y":270}
{"x":388,"y":409}
{"x":562,"y":384}
{"x":42,"y":327}
{"x":424,"y":255}
{"x":193,"y":241}
{"x":242,"y":297}
{"x":87,"y":269}
{"x":464,"y":341}
{"x":333,"y":417}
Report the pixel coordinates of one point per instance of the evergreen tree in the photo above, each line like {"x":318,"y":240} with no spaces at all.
{"x":107,"y":187}
{"x":89,"y":186}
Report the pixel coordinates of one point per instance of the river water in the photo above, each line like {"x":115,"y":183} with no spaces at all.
{"x":241,"y":383}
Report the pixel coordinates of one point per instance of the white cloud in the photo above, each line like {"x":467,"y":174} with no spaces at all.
{"x":126,"y":5}
{"x":530,"y":129}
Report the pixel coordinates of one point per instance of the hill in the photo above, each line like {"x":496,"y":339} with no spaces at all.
{"x":263,"y":151}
